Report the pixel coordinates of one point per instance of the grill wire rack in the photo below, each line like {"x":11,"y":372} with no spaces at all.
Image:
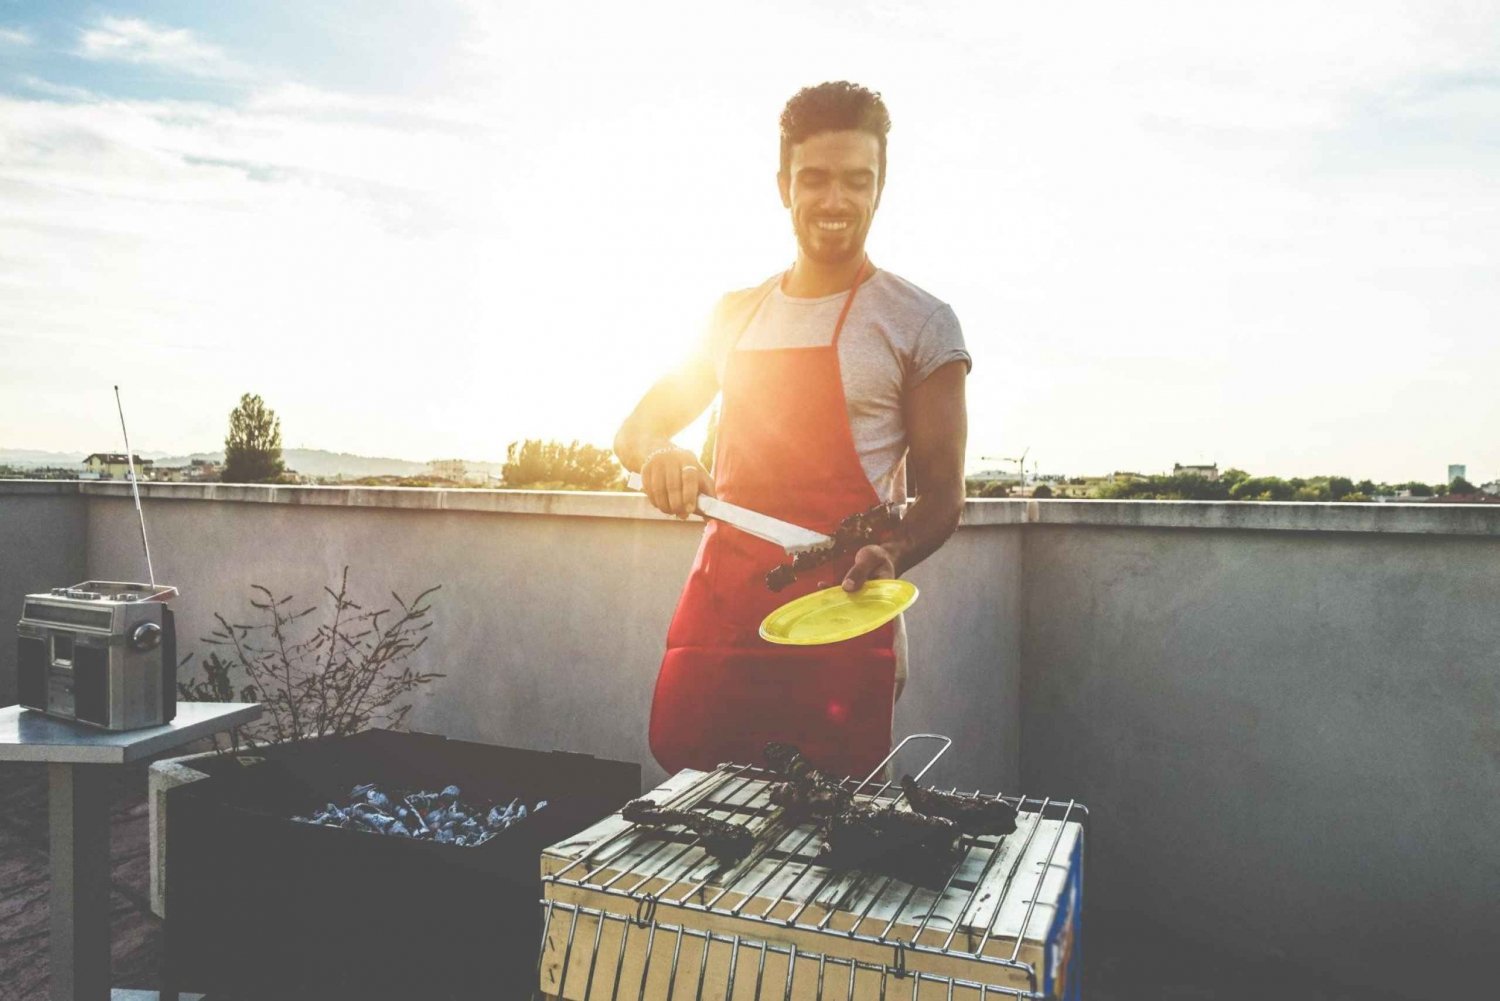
{"x":645,"y":914}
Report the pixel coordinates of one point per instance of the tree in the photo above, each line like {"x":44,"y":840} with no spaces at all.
{"x":1272,"y":488}
{"x":1042,"y":490}
{"x":551,"y":465}
{"x":1462,"y":486}
{"x":252,"y":452}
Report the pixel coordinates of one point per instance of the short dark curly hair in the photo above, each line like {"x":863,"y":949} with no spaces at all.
{"x":835,"y":106}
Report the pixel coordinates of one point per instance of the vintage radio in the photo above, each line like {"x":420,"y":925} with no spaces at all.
{"x":101,"y":652}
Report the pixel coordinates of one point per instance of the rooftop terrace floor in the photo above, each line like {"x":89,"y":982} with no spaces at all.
{"x":1124,"y":960}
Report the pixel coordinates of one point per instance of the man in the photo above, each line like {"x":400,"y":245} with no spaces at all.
{"x":836,"y":377}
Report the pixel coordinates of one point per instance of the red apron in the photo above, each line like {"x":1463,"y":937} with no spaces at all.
{"x":784,"y":449}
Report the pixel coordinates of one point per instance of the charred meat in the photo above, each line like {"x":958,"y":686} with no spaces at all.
{"x":857,"y":833}
{"x":864,"y":835}
{"x":724,"y":841}
{"x":973,"y":815}
{"x":808,"y":789}
{"x":878,"y":524}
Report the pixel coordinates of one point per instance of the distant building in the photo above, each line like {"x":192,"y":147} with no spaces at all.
{"x":1207,"y":472}
{"x":452,"y":470}
{"x":196,"y":471}
{"x":1457,"y":472}
{"x":995,"y":476}
{"x":115,"y":466}
{"x":1491,"y":488}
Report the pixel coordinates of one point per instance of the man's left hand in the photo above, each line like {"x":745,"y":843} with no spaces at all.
{"x":870,"y":563}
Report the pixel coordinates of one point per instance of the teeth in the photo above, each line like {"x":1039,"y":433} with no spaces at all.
{"x":833,"y":225}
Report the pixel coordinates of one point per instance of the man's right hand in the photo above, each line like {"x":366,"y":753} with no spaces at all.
{"x":672,"y":479}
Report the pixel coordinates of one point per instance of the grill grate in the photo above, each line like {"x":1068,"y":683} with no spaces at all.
{"x":638,"y":913}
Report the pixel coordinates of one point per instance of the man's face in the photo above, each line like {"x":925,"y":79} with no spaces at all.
{"x":832,"y":187}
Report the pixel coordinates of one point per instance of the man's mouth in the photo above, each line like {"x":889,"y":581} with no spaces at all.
{"x":831,"y":225}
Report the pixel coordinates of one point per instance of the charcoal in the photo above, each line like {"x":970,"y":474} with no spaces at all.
{"x":430,"y":816}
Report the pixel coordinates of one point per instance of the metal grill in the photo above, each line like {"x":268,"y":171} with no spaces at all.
{"x":635,"y":913}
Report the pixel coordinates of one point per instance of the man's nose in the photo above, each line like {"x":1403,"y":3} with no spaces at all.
{"x":834,"y":196}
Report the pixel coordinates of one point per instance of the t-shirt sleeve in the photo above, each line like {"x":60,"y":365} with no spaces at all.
{"x":940,"y":341}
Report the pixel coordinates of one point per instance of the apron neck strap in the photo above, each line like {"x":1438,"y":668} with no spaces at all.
{"x":859,"y":279}
{"x":838,"y":328}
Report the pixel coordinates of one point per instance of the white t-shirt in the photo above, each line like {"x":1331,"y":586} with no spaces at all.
{"x":896,"y":336}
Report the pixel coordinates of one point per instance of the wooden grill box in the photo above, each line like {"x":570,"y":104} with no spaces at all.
{"x":978,"y":929}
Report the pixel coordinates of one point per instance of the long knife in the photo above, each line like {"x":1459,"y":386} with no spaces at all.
{"x":793,"y":539}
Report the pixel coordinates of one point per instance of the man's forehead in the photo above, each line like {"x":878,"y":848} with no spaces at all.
{"x":850,"y":149}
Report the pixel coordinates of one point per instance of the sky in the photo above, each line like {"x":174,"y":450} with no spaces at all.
{"x":1262,"y":235}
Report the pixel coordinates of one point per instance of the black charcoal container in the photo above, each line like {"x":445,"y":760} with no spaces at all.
{"x":261,"y":906}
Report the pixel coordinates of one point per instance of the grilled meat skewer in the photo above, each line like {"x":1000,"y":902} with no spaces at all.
{"x":808,"y":788}
{"x":877,"y":524}
{"x":724,"y":841}
{"x":974,"y":815}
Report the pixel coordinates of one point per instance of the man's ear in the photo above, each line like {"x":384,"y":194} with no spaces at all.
{"x":784,"y":184}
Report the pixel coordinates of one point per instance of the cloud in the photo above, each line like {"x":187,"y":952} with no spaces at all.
{"x":1280,"y":209}
{"x":132,"y":40}
{"x":15,"y":36}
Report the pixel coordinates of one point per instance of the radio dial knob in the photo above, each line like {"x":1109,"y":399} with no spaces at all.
{"x":146,"y":636}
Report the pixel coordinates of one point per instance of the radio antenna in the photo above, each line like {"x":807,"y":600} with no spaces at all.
{"x":135,"y":488}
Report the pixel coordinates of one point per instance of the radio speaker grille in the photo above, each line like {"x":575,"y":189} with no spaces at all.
{"x":91,"y":684}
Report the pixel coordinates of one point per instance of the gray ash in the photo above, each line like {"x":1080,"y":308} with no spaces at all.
{"x":441,"y":817}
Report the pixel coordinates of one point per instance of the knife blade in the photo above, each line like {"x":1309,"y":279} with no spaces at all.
{"x":792,"y":539}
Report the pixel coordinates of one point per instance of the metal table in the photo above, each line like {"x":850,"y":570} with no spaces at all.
{"x":78,"y":824}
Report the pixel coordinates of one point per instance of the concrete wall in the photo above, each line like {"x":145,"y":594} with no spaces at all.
{"x":1289,"y":740}
{"x":1285,"y":718}
{"x":42,"y":543}
{"x":553,"y":611}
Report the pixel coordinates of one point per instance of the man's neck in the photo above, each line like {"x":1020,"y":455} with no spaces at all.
{"x":809,"y":279}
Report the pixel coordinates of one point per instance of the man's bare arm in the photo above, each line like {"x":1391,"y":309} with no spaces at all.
{"x":674,"y":477}
{"x":937,"y":428}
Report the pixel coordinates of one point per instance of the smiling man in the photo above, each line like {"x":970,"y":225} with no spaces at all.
{"x":838,"y":379}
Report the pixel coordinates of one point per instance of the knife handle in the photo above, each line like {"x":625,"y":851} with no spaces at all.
{"x":634,"y":482}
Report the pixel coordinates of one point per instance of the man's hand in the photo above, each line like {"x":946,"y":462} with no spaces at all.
{"x":870,"y":563}
{"x":673,"y":479}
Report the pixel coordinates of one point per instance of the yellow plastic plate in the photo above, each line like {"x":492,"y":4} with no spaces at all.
{"x":833,"y":614}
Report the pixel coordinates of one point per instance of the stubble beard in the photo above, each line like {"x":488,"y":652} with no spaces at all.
{"x":843,"y":253}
